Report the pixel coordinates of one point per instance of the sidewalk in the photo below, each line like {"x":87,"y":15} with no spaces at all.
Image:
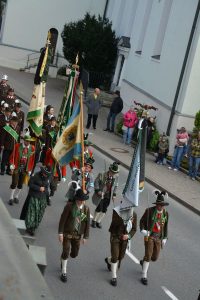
{"x":177,"y":184}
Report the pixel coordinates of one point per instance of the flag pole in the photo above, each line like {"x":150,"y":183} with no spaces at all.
{"x":82,"y":134}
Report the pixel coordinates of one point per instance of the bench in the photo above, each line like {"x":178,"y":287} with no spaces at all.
{"x":39,"y":256}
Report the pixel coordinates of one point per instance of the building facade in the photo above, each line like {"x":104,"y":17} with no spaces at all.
{"x":25,"y":23}
{"x":160,"y":65}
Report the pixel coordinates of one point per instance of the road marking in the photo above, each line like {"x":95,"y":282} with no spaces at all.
{"x":132,"y":257}
{"x":170,"y":294}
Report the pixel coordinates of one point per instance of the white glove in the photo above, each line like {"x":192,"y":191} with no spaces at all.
{"x":145,"y":232}
{"x":64,"y":179}
{"x":12,"y":167}
{"x":164,"y":242}
{"x":29,"y":173}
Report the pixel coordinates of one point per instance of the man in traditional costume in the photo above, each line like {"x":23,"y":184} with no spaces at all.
{"x":36,"y":201}
{"x":4,"y":86}
{"x":58,"y":173}
{"x":21,"y":163}
{"x":105,"y":187}
{"x":122,"y":229}
{"x":9,"y":137}
{"x":154,"y":227}
{"x":20,"y":114}
{"x":73,"y":228}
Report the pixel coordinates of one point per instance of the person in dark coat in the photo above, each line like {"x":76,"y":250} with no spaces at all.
{"x":154,"y":227}
{"x":20,"y":114}
{"x":4,"y":86}
{"x":115,"y":109}
{"x":122,"y":229}
{"x":9,"y":137}
{"x":93,"y":104}
{"x":73,"y":228}
{"x":36,"y":201}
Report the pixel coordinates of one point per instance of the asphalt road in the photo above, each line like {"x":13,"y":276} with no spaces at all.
{"x":174,"y":276}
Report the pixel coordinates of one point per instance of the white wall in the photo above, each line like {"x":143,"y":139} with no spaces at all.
{"x":27,"y":22}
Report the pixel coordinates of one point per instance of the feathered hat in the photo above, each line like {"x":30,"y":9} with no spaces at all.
{"x":160,"y":197}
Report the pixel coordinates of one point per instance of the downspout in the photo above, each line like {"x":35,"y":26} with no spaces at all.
{"x":105,"y":10}
{"x":183,"y":69}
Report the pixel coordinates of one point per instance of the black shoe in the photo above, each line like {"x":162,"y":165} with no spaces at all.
{"x":144,"y":281}
{"x":94,"y":224}
{"x":141,"y":262}
{"x":2,"y":173}
{"x":98,"y":225}
{"x":63,"y":277}
{"x":113,"y":282}
{"x":49,"y":202}
{"x":108,"y":264}
{"x":10,"y":202}
{"x":107,"y":129}
{"x":16,"y":200}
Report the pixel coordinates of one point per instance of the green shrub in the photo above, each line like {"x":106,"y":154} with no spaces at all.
{"x":62,"y":71}
{"x":154,"y":140}
{"x":119,"y":126}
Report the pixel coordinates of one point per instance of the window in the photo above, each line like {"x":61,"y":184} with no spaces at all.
{"x":144,"y":26}
{"x":162,"y":29}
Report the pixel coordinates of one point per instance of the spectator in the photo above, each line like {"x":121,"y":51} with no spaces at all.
{"x":194,"y":159}
{"x":181,"y":141}
{"x":93,"y":104}
{"x":163,"y":148}
{"x":115,"y":109}
{"x":150,"y":129}
{"x":4,"y":86}
{"x":49,"y":113}
{"x":130,"y":119}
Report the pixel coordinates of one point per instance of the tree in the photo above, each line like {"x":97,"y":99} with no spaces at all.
{"x":94,"y":40}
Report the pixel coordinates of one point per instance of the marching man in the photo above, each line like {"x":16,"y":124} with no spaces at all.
{"x":21,"y":163}
{"x":154,"y":227}
{"x":122,"y":229}
{"x":73,"y":228}
{"x":105,"y":187}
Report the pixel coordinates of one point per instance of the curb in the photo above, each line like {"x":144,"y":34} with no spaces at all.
{"x":156,"y":185}
{"x":179,"y":200}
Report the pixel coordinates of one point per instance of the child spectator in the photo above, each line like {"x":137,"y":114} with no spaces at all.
{"x":163,"y":148}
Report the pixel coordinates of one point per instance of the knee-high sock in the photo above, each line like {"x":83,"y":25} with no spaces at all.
{"x":109,"y":259}
{"x":100,"y":217}
{"x":18,"y":193}
{"x":114,"y":269}
{"x":145,"y":269}
{"x":64,"y":266}
{"x":12,"y":193}
{"x":96,"y":216}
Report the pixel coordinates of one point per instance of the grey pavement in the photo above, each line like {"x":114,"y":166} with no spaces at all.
{"x":177,"y":184}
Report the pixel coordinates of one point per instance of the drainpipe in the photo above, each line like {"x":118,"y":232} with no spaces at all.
{"x":183,"y":68}
{"x":105,"y":10}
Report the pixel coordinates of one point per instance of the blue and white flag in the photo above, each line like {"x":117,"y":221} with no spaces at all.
{"x":68,"y":146}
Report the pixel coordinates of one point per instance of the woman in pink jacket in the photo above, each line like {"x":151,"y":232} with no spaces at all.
{"x":129,"y":121}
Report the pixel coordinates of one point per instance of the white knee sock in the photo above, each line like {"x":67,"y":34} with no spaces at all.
{"x":145,"y":269}
{"x":114,"y":269}
{"x":12,"y":193}
{"x":96,"y":216}
{"x":109,"y":259}
{"x":64,"y":266}
{"x":18,"y":193}
{"x":100,"y":217}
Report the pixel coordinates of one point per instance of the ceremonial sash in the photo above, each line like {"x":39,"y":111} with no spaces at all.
{"x":12,"y":132}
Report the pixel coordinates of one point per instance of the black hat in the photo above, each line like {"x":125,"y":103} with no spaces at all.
{"x":52,"y":118}
{"x":114,"y":167}
{"x":117,"y":93}
{"x":80,"y":195}
{"x":46,"y":170}
{"x":90,"y":162}
{"x":14,"y":119}
{"x":8,"y":109}
{"x":161,"y":198}
{"x":10,"y":90}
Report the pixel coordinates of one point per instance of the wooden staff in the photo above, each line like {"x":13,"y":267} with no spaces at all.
{"x":82,"y":135}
